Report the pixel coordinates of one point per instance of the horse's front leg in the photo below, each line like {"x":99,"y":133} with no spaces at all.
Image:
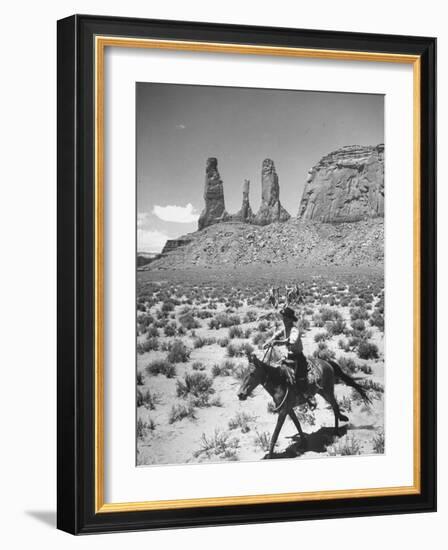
{"x":278,"y":427}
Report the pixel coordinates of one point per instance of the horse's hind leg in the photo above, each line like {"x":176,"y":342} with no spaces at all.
{"x":278,"y":427}
{"x":294,"y":418}
{"x":330,"y":397}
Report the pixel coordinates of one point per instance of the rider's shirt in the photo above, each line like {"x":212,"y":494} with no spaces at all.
{"x":294,"y":343}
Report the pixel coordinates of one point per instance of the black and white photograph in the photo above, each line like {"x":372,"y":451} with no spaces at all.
{"x":260,"y":274}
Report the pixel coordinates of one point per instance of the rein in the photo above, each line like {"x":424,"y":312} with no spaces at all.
{"x":283,"y":401}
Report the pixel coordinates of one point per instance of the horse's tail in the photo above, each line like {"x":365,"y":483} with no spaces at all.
{"x":349,"y":381}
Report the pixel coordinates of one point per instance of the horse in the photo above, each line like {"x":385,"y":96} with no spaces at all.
{"x":287,"y":396}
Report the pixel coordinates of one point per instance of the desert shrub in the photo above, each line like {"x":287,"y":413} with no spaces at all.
{"x":236,"y":332}
{"x":247,"y":332}
{"x":140,"y":379}
{"x":304,"y":324}
{"x":318,"y":321}
{"x":250,"y":316}
{"x":329,"y":314}
{"x":241,"y":371}
{"x":349,"y":445}
{"x":263,"y":326}
{"x":223,"y":342}
{"x":358,"y":325}
{"x":246,"y":348}
{"x":152,"y":332}
{"x":147,"y":399}
{"x":161,"y":366}
{"x":197,"y":386}
{"x":354,"y":342}
{"x":323,"y":352}
{"x":233,"y":350}
{"x":170,"y":330}
{"x":178,"y":353}
{"x":321,"y":336}
{"x":347,"y":364}
{"x":145,"y":320}
{"x":199,"y":342}
{"x":358,"y":313}
{"x":343,"y":344}
{"x":377,"y":320}
{"x":378,"y":442}
{"x":167,"y":307}
{"x":147,"y":345}
{"x":336,"y":327}
{"x":241,"y":420}
{"x":180,"y":411}
{"x":305,"y":415}
{"x":224,"y":320}
{"x":259,"y":338}
{"x":226,"y":368}
{"x":197,"y":365}
{"x":188,"y":321}
{"x":220,"y":445}
{"x":262,"y":440}
{"x":215,"y":401}
{"x":367,"y":350}
{"x":366,"y":369}
{"x":346,"y":403}
{"x":143,"y":427}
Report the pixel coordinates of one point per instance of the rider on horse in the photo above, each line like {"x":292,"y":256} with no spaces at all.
{"x":295,"y":365}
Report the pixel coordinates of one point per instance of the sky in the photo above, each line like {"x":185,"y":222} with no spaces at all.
{"x":179,"y":126}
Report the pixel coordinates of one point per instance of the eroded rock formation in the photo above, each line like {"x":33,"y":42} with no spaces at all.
{"x":245,"y":213}
{"x":346,"y":185}
{"x":172,"y":244}
{"x":215,"y":210}
{"x":271,"y":209}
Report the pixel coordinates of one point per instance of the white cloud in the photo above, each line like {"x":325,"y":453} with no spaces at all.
{"x":181,"y":126}
{"x":178,"y":214}
{"x":142,"y":219}
{"x":150,"y":241}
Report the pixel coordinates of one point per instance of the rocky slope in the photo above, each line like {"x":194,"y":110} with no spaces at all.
{"x":295,"y":241}
{"x":346,"y":185}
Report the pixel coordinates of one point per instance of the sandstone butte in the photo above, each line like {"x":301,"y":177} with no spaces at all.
{"x":345,"y":188}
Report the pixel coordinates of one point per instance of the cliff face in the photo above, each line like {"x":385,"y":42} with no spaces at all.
{"x":271,"y":209}
{"x":214,"y":210}
{"x":346,"y":185}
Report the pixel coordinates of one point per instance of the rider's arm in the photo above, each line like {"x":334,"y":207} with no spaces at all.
{"x":277,"y":339}
{"x":280,"y":342}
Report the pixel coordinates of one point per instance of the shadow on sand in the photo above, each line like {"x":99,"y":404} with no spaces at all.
{"x":316,"y":442}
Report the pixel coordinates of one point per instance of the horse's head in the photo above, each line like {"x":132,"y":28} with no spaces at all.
{"x":255,"y":375}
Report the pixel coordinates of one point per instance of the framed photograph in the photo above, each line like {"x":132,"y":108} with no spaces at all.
{"x":246,"y":274}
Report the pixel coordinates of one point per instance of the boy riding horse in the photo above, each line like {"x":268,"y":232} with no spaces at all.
{"x":295,"y":365}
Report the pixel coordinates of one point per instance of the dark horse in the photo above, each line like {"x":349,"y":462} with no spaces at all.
{"x":286,"y":396}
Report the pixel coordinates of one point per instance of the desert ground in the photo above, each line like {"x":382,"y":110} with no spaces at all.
{"x":194,"y":327}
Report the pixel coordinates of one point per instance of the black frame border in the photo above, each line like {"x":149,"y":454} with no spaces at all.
{"x":76,"y":261}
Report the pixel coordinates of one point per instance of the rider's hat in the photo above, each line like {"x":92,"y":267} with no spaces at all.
{"x":289,"y":313}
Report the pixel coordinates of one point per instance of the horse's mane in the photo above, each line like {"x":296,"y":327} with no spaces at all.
{"x":275,"y":374}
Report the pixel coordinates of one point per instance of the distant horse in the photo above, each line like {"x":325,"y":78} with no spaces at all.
{"x":286,"y":397}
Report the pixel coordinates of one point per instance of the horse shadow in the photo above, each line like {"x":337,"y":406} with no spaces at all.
{"x":316,"y":442}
